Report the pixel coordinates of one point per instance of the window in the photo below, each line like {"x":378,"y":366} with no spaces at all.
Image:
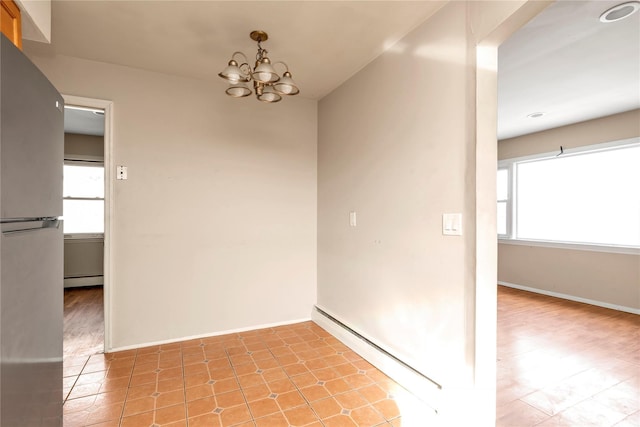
{"x":590,"y":196}
{"x":83,"y":198}
{"x":504,"y":202}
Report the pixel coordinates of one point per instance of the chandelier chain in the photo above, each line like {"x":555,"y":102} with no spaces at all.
{"x":261,"y":52}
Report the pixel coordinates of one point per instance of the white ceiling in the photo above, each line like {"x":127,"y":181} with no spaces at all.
{"x":322,"y":42}
{"x":83,"y":121}
{"x":564,"y":62}
{"x":568,"y":64}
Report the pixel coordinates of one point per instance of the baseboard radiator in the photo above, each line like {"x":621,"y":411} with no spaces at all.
{"x":80,"y":281}
{"x":420,"y":385}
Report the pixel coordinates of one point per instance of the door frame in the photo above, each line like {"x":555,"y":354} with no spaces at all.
{"x":483,"y":297}
{"x":107,"y":106}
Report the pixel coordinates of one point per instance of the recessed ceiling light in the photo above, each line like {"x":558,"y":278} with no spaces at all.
{"x":620,"y":11}
{"x":536,"y":115}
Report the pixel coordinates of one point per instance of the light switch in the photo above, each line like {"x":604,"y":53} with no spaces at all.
{"x":121,"y":172}
{"x":452,"y":224}
{"x":352,"y":219}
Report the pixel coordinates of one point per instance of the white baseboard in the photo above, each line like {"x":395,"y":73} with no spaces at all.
{"x":418,"y":385}
{"x":207,"y":335}
{"x":571,"y":298}
{"x":76,"y":282}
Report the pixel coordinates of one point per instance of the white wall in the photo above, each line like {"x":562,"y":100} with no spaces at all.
{"x":215,"y":228}
{"x":397,"y":144}
{"x":83,"y":147}
{"x":83,"y":262}
{"x":36,"y":20}
{"x":395,"y":150}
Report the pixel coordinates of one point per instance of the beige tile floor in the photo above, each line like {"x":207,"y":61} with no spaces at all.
{"x":295,"y":375}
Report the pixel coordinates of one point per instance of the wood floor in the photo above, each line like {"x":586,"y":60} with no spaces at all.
{"x":562,"y":363}
{"x":83,"y":322}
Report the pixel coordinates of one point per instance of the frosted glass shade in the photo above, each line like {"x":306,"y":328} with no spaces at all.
{"x":286,"y":86}
{"x":269,"y":96}
{"x":238,"y":90}
{"x":264,"y":72}
{"x":233,"y":73}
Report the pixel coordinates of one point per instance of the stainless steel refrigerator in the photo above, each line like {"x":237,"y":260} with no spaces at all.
{"x":31,"y":244}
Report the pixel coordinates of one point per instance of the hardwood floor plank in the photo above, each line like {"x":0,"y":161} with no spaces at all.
{"x":83,"y":322}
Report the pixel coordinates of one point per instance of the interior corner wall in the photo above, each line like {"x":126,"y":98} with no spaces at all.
{"x":612,"y":279}
{"x":399,"y":152}
{"x":36,"y":20}
{"x":215,"y":228}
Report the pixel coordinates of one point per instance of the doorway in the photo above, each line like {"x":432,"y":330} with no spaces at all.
{"x":86,"y":198}
{"x":546,"y":343}
{"x":83,"y":214}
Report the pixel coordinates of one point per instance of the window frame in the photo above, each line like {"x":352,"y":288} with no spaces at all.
{"x":92,"y":163}
{"x":511,"y":166}
{"x":508,"y":201}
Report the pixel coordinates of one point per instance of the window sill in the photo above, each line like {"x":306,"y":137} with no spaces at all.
{"x":629,"y":250}
{"x":98,"y":237}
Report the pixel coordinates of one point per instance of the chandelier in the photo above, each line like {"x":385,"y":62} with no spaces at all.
{"x":267,"y":84}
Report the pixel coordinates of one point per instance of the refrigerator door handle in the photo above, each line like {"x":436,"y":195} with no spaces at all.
{"x":44,"y":224}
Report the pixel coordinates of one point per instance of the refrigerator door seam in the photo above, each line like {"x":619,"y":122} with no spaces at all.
{"x":45,"y":225}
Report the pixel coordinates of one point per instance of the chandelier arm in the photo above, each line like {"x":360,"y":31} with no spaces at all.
{"x":246,"y":60}
{"x":283,"y":63}
{"x":245,"y":68}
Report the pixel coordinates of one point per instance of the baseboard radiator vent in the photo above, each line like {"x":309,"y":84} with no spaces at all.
{"x":420,"y":385}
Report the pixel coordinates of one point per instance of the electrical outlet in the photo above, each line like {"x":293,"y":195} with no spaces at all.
{"x":121,"y":172}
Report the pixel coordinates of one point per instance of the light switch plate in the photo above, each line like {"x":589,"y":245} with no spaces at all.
{"x":352,"y":219}
{"x":452,"y":224}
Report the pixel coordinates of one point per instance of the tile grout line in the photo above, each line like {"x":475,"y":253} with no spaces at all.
{"x":290,"y":379}
{"x":268,"y":348}
{"x":126,"y":395}
{"x":84,"y":365}
{"x":296,"y":385}
{"x":235,"y":376}
{"x":263,"y":341}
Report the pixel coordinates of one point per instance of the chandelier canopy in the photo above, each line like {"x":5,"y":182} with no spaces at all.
{"x":267,"y":84}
